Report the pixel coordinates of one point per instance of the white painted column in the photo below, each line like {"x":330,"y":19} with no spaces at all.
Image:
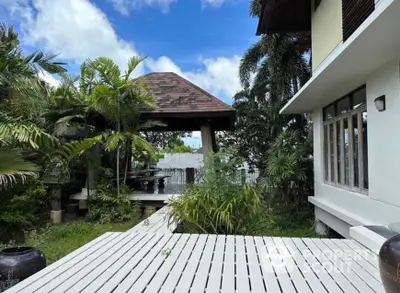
{"x":321,"y":229}
{"x":206,"y":140}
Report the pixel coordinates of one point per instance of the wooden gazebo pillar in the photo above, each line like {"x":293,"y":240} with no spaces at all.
{"x":208,"y":140}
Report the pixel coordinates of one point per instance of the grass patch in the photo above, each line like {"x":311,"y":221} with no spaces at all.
{"x":59,"y":240}
{"x":269,"y":227}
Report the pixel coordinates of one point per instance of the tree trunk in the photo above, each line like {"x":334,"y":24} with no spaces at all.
{"x":128,"y":152}
{"x":119,"y":130}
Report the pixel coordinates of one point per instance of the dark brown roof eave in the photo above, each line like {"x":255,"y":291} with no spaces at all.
{"x":285,"y":16}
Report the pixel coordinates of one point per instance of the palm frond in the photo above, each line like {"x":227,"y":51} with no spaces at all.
{"x":75,"y":148}
{"x":113,"y":141}
{"x":249,"y":62}
{"x":140,"y":144}
{"x":132,"y":64}
{"x":14,"y":130}
{"x":13,"y":167}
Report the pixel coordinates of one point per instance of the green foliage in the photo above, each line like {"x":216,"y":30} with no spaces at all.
{"x":13,"y":167}
{"x":106,"y":106}
{"x":164,"y":139}
{"x":22,"y":206}
{"x":219,"y":205}
{"x":179,"y":149}
{"x":290,"y":170}
{"x":107,"y":206}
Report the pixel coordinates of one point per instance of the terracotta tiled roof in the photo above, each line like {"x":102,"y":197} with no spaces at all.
{"x":174,"y":94}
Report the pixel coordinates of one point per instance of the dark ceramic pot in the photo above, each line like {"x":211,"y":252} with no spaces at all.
{"x":18,"y":263}
{"x":389,"y":264}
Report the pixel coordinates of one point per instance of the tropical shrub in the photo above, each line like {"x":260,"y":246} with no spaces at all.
{"x":107,"y":206}
{"x":290,"y":172}
{"x":220,"y":205}
{"x":22,"y":207}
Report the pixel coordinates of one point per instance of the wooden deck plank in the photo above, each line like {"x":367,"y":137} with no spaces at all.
{"x":174,"y":274}
{"x":158,"y":222}
{"x":92,"y":260}
{"x":128,"y":274}
{"x":352,"y":261}
{"x":61,"y":270}
{"x":337,"y":275}
{"x":190,"y":271}
{"x":368,"y":255}
{"x":214,"y":278}
{"x":313,"y":263}
{"x":267,"y":270}
{"x":345,"y":267}
{"x":293,"y":270}
{"x":256,"y":278}
{"x":174,"y":263}
{"x":153,"y":260}
{"x":90,"y":272}
{"x":360,"y":255}
{"x":305,"y":268}
{"x":228,"y":274}
{"x":62,"y":262}
{"x":201,"y":277}
{"x":97,"y":277}
{"x":279,"y":267}
{"x":242,"y":282}
{"x":161,"y":261}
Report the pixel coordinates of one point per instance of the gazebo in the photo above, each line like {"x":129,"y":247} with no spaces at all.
{"x":183,"y":106}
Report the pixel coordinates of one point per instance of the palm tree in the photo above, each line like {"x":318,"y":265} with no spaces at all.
{"x":20,"y":85}
{"x":281,"y":58}
{"x":21,"y":88}
{"x":115,"y":98}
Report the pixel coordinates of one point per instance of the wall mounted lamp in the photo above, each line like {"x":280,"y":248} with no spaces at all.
{"x":380,"y":103}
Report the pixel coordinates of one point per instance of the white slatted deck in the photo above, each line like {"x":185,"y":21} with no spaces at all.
{"x":156,"y":223}
{"x":166,"y":262}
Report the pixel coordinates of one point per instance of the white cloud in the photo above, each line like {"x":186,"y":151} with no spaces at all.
{"x":125,"y":6}
{"x":213,"y":3}
{"x":50,"y":79}
{"x":76,"y":29}
{"x":216,"y":75}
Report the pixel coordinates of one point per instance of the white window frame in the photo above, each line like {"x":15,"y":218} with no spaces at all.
{"x":327,"y":152}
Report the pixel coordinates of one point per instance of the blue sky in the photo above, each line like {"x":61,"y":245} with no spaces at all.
{"x":201,"y":40}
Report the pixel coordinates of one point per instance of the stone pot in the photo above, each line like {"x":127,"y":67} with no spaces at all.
{"x":389,"y":264}
{"x":18,"y":263}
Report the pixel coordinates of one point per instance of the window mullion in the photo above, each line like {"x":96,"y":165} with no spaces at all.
{"x":329,"y":151}
{"x":343,"y":180}
{"x":351,"y":151}
{"x":360,"y":151}
{"x":335,"y":158}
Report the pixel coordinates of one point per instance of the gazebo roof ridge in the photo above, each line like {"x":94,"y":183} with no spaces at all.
{"x":189,"y":95}
{"x":184,"y":106}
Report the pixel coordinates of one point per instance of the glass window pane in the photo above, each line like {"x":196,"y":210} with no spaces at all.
{"x":355,"y":150}
{"x":329,"y":112}
{"x":331,"y":137}
{"x":338,"y":149}
{"x":326,"y":155}
{"x":365,"y":149}
{"x":359,"y":98}
{"x":343,"y":106}
{"x":346,"y":152}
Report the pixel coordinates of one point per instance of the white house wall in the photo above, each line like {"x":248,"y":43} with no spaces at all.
{"x":384,"y":135}
{"x":382,"y":204}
